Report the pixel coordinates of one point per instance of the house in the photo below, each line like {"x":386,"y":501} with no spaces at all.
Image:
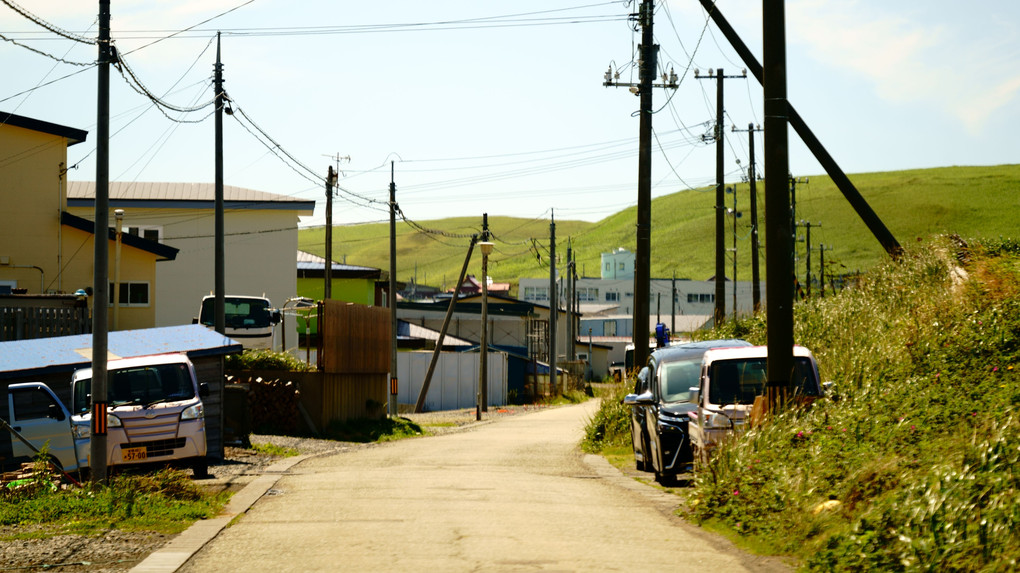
{"x":44,"y":249}
{"x":260,"y":239}
{"x":351,"y":283}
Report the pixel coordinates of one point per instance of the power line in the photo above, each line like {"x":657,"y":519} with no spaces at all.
{"x":51,"y":27}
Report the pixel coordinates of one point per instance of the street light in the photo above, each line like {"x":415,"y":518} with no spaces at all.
{"x":483,"y":358}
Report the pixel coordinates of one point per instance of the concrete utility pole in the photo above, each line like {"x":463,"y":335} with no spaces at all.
{"x":392,"y":295}
{"x":327,"y":287}
{"x":554,"y":307}
{"x":672,"y":314}
{"x":642,"y":256}
{"x":101,"y":268}
{"x":779,"y":272}
{"x":752,"y":178}
{"x":483,"y":348}
{"x":220,"y":252}
{"x":570,"y":302}
{"x":720,"y":193}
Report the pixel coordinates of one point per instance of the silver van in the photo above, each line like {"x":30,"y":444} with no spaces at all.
{"x":156,"y":413}
{"x":40,"y":419}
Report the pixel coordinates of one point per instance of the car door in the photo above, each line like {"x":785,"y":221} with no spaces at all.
{"x":638,"y":415}
{"x":40,"y":418}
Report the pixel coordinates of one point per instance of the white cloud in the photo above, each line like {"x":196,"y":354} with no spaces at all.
{"x":922,"y":58}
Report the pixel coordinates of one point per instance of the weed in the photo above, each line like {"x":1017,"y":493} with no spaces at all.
{"x":372,"y":430}
{"x":275,"y":450}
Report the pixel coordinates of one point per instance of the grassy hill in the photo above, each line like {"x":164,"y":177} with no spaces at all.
{"x":915,"y":204}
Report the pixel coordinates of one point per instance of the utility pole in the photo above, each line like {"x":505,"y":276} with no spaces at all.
{"x":672,"y":314}
{"x":392,"y":294}
{"x":483,"y":358}
{"x":554,"y":307}
{"x":642,"y":256}
{"x":779,"y":275}
{"x":327,"y":289}
{"x":720,"y":199}
{"x":752,"y":178}
{"x":220,"y":250}
{"x":570,"y":303}
{"x":101,"y":269}
{"x":736,"y":215}
{"x":821,"y":268}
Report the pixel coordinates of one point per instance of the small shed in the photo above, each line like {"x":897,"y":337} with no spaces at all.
{"x":53,"y":360}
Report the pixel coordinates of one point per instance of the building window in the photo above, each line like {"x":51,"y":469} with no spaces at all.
{"x":587,"y":294}
{"x":612,"y":296}
{"x":608,"y":266}
{"x":700,"y":298}
{"x":622,"y":266}
{"x":150,"y":232}
{"x":536,"y":293}
{"x":132,"y":294}
{"x":609,"y":327}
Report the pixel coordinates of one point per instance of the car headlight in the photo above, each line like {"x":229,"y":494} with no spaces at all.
{"x":81,"y":431}
{"x":196,"y":412}
{"x":717,"y":421}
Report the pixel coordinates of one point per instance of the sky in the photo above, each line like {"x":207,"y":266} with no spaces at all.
{"x":499,"y":107}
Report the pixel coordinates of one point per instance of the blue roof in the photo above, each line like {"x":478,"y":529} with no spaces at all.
{"x":61,"y":354}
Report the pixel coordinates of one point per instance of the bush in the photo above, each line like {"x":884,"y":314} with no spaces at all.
{"x":266,"y":360}
{"x":916,"y":466}
{"x":610,"y":426}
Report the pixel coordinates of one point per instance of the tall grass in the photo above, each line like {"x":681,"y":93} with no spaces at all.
{"x":916,"y":466}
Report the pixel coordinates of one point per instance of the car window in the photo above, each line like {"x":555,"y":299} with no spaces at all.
{"x":31,"y":403}
{"x":739,"y":381}
{"x":677,"y":378}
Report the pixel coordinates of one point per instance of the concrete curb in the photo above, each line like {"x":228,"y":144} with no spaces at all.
{"x":180,"y":549}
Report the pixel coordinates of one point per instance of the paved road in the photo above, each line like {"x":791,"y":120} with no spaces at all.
{"x":511,"y":495}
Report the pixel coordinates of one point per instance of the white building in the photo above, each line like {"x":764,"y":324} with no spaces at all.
{"x":260,"y":239}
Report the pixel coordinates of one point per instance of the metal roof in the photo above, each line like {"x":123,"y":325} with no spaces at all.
{"x":165,"y":252}
{"x":67,"y":353}
{"x":308,"y":262}
{"x":73,"y":135}
{"x":182,"y":195}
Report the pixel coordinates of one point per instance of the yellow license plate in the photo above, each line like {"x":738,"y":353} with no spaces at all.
{"x":133,"y":454}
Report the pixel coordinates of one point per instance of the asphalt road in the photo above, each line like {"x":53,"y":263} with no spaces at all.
{"x":515,"y":494}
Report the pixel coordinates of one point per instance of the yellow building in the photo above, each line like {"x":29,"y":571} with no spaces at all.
{"x":46,"y":250}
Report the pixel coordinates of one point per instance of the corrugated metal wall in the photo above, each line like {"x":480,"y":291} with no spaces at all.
{"x":454,"y":383}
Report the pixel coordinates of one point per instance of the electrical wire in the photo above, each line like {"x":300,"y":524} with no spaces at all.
{"x":51,"y":27}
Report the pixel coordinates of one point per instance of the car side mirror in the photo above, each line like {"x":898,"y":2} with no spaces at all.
{"x":695,"y":395}
{"x":276,"y":317}
{"x":828,"y":389}
{"x":194,"y":320}
{"x":643,"y":399}
{"x":203,"y":390}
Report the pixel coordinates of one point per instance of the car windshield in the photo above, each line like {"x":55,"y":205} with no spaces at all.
{"x":739,"y":381}
{"x":144,"y":385}
{"x":677,"y":378}
{"x":238,"y":312}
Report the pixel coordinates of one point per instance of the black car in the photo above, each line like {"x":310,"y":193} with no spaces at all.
{"x":660,"y":407}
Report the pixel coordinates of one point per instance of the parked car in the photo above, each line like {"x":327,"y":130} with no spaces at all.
{"x":731,"y":378}
{"x":155,"y":411}
{"x":40,"y":419}
{"x":661,"y":407}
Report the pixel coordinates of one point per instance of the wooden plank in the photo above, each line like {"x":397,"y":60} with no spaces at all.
{"x":356,"y":339}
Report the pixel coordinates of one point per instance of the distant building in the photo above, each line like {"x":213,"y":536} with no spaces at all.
{"x":618,"y":264}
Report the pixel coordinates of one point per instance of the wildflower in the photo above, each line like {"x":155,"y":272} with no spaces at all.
{"x":844,"y":429}
{"x":736,"y":492}
{"x":828,"y":427}
{"x":912,"y":428}
{"x":800,"y":434}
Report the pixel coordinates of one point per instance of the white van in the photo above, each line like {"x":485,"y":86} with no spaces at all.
{"x":155,"y":411}
{"x":40,"y":418}
{"x":247,"y":319}
{"x":731,"y":378}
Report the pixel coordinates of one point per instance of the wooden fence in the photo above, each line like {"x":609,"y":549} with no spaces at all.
{"x":27,"y":323}
{"x":354,"y":358}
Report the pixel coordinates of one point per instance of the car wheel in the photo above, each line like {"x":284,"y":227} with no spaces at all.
{"x":200,"y":468}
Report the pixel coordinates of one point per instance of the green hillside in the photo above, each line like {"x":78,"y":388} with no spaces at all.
{"x":968,"y":201}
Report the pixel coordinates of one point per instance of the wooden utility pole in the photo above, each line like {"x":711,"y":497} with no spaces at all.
{"x":778,"y":220}
{"x":642,"y":256}
{"x":752,"y":178}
